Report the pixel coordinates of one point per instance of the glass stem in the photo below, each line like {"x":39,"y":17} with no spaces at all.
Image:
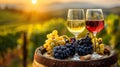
{"x":76,"y":39}
{"x":76,"y":56}
{"x":94,"y":34}
{"x":76,"y":36}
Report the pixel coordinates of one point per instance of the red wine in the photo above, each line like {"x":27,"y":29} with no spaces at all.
{"x":95,"y":26}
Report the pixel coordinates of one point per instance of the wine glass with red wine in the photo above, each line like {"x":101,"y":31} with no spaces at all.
{"x":94,"y":22}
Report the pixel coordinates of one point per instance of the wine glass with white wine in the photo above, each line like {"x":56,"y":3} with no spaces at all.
{"x":76,"y":21}
{"x":76,"y":24}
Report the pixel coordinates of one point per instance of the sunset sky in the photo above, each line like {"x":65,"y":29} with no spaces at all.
{"x":42,"y":2}
{"x":35,"y":4}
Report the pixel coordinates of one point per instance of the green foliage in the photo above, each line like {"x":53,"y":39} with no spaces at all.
{"x":8,"y":41}
{"x":113,"y":28}
{"x":7,"y":17}
{"x":113,"y":32}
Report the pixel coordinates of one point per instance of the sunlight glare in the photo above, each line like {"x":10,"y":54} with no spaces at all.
{"x":34,"y":1}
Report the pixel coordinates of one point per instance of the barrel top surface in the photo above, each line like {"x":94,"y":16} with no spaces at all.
{"x":52,"y":62}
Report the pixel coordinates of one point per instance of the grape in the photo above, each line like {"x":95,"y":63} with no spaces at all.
{"x":99,"y":40}
{"x":102,"y":48}
{"x":72,"y":40}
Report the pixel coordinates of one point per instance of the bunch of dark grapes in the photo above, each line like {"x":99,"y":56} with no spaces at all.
{"x":62,"y":52}
{"x":84,"y":46}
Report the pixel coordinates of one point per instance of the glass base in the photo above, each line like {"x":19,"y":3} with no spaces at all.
{"x":95,"y":56}
{"x":76,"y":57}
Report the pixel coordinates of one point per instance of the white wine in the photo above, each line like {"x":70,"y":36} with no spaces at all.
{"x":76,"y":26}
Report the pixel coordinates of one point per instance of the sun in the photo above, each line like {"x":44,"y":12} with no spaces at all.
{"x":34,"y":1}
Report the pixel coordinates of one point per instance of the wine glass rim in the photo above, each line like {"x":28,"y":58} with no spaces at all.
{"x":95,"y":9}
{"x":76,"y":9}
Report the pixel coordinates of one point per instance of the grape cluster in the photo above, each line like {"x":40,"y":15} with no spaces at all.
{"x":84,"y":46}
{"x":99,"y":46}
{"x":53,"y":39}
{"x":62,"y":52}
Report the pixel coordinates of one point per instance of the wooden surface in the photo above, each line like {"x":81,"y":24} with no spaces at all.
{"x":42,"y":61}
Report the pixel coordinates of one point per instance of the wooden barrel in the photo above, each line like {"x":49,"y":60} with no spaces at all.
{"x":42,"y":61}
